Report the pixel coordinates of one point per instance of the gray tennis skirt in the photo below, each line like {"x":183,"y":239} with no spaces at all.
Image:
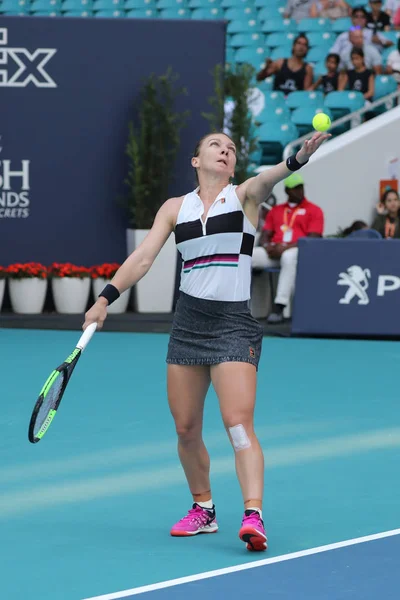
{"x":209,"y":332}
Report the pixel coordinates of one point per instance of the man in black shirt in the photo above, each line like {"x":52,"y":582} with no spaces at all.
{"x":290,"y":74}
{"x":377,"y":20}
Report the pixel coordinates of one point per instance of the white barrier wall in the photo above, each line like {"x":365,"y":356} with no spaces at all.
{"x":343,"y":177}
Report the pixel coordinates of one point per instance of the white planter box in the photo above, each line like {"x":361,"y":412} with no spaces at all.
{"x":27,"y":295}
{"x":2,"y":288}
{"x":70,"y":294}
{"x":154,"y":293}
{"x":120,"y":305}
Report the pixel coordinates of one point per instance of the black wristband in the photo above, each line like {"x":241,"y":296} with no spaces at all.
{"x":110,"y":293}
{"x":293,"y":164}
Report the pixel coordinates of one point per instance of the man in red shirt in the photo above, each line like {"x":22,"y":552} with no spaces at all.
{"x":284,"y":225}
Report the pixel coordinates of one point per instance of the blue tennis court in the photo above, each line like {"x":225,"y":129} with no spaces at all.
{"x":86,"y":512}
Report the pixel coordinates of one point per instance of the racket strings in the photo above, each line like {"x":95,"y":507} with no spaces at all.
{"x":50,"y":400}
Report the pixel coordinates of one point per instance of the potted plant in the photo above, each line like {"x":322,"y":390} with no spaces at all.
{"x":70,"y":286}
{"x":3,"y":276}
{"x":27,"y":284}
{"x":152,"y":147}
{"x":231,"y":113}
{"x":101,"y":276}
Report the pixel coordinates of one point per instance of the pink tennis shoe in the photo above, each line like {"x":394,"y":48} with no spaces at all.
{"x":198,"y":520}
{"x":252,"y":531}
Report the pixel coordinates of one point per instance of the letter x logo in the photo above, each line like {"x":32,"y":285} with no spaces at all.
{"x":29,"y":66}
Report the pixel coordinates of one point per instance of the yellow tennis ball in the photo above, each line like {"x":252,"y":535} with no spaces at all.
{"x":321,"y":122}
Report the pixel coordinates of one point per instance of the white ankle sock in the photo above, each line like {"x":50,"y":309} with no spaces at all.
{"x":255,"y":508}
{"x":209,"y":504}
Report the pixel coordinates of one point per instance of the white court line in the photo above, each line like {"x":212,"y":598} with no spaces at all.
{"x":251,"y":565}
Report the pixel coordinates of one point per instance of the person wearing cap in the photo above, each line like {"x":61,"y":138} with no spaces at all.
{"x":284,"y":226}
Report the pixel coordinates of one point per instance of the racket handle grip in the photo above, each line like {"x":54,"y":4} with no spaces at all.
{"x":86,"y":336}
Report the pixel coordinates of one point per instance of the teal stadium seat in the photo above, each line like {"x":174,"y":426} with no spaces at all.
{"x":273,"y":137}
{"x":78,"y":13}
{"x":279,"y":25}
{"x":302,"y":117}
{"x":204,"y":4}
{"x":236,"y":3}
{"x":342,"y":24}
{"x":393,"y":36}
{"x":170,"y":4}
{"x":46,"y":13}
{"x":268,"y":12}
{"x":317,"y":54}
{"x":175,"y":13}
{"x":139,"y":4}
{"x":384,"y":85}
{"x":109,"y":5}
{"x":240,"y":40}
{"x":17,"y":6}
{"x":274,"y":99}
{"x":282,"y":52}
{"x":236,"y":14}
{"x":109,"y":14}
{"x":321,"y":38}
{"x":142,"y":13}
{"x":243,"y":26}
{"x":303,"y":99}
{"x":267,"y":85}
{"x":319,"y":70}
{"x":343,"y":103}
{"x":229,"y":56}
{"x":314,"y":25}
{"x":204,"y":14}
{"x":77,"y":5}
{"x":278,"y":114}
{"x":280,"y":38}
{"x":255,"y":56}
{"x":45,"y":6}
{"x":276,"y":5}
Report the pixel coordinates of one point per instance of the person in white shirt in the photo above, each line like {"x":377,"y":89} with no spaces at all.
{"x":391,"y":6}
{"x":372,"y":57}
{"x":359,"y":19}
{"x":393,"y":63}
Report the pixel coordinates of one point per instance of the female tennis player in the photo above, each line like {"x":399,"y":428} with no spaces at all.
{"x":214,"y":337}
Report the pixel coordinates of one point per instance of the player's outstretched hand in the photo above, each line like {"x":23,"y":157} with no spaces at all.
{"x":310,"y":146}
{"x":96,"y":314}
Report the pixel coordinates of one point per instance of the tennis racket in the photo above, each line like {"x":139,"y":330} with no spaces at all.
{"x":53,"y":390}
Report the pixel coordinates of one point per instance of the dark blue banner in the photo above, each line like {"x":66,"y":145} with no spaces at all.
{"x":67,"y":91}
{"x":347,"y":287}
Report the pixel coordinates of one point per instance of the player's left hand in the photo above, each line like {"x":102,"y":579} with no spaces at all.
{"x":310,"y":146}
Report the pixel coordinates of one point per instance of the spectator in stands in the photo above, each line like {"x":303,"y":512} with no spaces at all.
{"x":330,"y":81}
{"x":330,"y":9}
{"x":396,"y":19}
{"x":393,"y":63}
{"x":372,"y":58}
{"x":391,"y":7}
{"x":290,"y":74}
{"x":355,"y":226}
{"x":377,"y":20}
{"x":387,"y":221}
{"x":284,"y":226}
{"x":359,"y":19}
{"x":359,"y":78}
{"x":297,"y":9}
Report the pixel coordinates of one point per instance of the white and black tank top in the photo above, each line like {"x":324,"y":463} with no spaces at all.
{"x":216,"y":254}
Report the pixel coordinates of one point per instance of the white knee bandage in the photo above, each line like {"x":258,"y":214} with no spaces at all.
{"x":239,"y":437}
